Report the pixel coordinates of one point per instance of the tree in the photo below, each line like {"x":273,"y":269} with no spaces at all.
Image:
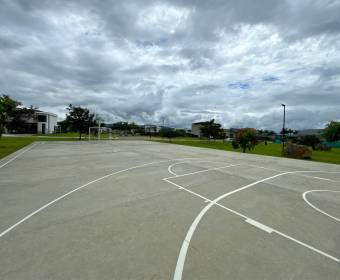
{"x":12,"y":116}
{"x":19,"y":117}
{"x":290,"y":131}
{"x":79,"y":119}
{"x":168,"y":133}
{"x":211,"y":129}
{"x":332,"y":131}
{"x":309,"y":140}
{"x":235,"y":144}
{"x":133,"y":127}
{"x":126,"y":127}
{"x":284,"y":131}
{"x":181,"y":132}
{"x":7,"y":108}
{"x":246,"y":137}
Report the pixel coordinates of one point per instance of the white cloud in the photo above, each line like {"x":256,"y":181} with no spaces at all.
{"x":163,"y":18}
{"x":182,"y":60}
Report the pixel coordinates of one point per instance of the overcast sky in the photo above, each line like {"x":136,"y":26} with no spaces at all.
{"x":176,"y":61}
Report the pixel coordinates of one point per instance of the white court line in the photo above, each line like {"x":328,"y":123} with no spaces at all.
{"x":187,"y":190}
{"x":176,"y":163}
{"x":316,"y":208}
{"x":18,"y":155}
{"x":170,"y":171}
{"x":320,"y":178}
{"x":183,"y":252}
{"x":259,"y":225}
{"x":250,"y":221}
{"x":202,"y":171}
{"x":262,"y":167}
{"x":77,"y":189}
{"x":302,"y":171}
{"x":185,"y":245}
{"x":307,"y":246}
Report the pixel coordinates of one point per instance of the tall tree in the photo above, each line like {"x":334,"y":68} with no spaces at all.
{"x":7,"y":108}
{"x":12,"y":116}
{"x":211,"y":129}
{"x":19,"y":118}
{"x":79,"y":119}
{"x":168,"y":133}
{"x":309,"y":140}
{"x":332,"y":131}
{"x":246,"y":138}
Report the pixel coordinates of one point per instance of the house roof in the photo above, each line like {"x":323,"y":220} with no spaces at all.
{"x":46,"y":113}
{"x":306,"y":132}
{"x":198,"y":123}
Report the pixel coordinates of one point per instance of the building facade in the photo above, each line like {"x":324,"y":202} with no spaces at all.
{"x":230,"y":133}
{"x":152,"y":128}
{"x":196,"y":129}
{"x":46,"y":122}
{"x":40,"y":123}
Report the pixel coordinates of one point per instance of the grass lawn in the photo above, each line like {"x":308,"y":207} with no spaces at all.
{"x":332,"y":156}
{"x":11,"y":144}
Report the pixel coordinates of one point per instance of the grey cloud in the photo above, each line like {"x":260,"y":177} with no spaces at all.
{"x":235,"y":61}
{"x":293,"y":19}
{"x":9,"y":43}
{"x":326,"y":72}
{"x":142,"y":107}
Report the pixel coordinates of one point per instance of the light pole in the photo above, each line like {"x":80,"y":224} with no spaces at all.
{"x":283,"y":128}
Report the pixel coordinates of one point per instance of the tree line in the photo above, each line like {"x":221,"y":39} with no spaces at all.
{"x":79,"y":119}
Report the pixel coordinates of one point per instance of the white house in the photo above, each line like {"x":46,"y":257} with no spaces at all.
{"x":41,"y":122}
{"x":46,"y":122}
{"x":196,"y":128}
{"x":230,"y":133}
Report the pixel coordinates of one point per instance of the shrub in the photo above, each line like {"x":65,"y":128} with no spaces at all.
{"x":298,"y":151}
{"x":332,"y":131}
{"x":168,"y":133}
{"x":235,"y":144}
{"x":309,"y":140}
{"x":246,"y":138}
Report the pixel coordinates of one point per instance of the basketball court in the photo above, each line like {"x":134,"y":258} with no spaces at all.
{"x":146,"y":210}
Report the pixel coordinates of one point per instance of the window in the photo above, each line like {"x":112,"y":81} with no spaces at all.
{"x":42,"y":118}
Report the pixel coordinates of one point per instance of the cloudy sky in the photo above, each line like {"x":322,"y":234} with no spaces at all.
{"x":176,"y":61}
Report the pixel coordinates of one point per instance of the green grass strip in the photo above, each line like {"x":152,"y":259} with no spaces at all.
{"x":270,"y":149}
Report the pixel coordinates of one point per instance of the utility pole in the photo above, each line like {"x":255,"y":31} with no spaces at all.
{"x":283,"y":128}
{"x":99,"y":124}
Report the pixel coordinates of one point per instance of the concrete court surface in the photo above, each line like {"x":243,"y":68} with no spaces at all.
{"x":144,"y":210}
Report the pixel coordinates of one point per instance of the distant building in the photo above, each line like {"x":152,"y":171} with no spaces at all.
{"x":151,"y":128}
{"x":230,"y":133}
{"x":308,"y":132}
{"x":184,"y":130}
{"x":196,"y":128}
{"x":41,"y":122}
{"x":267,"y":135}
